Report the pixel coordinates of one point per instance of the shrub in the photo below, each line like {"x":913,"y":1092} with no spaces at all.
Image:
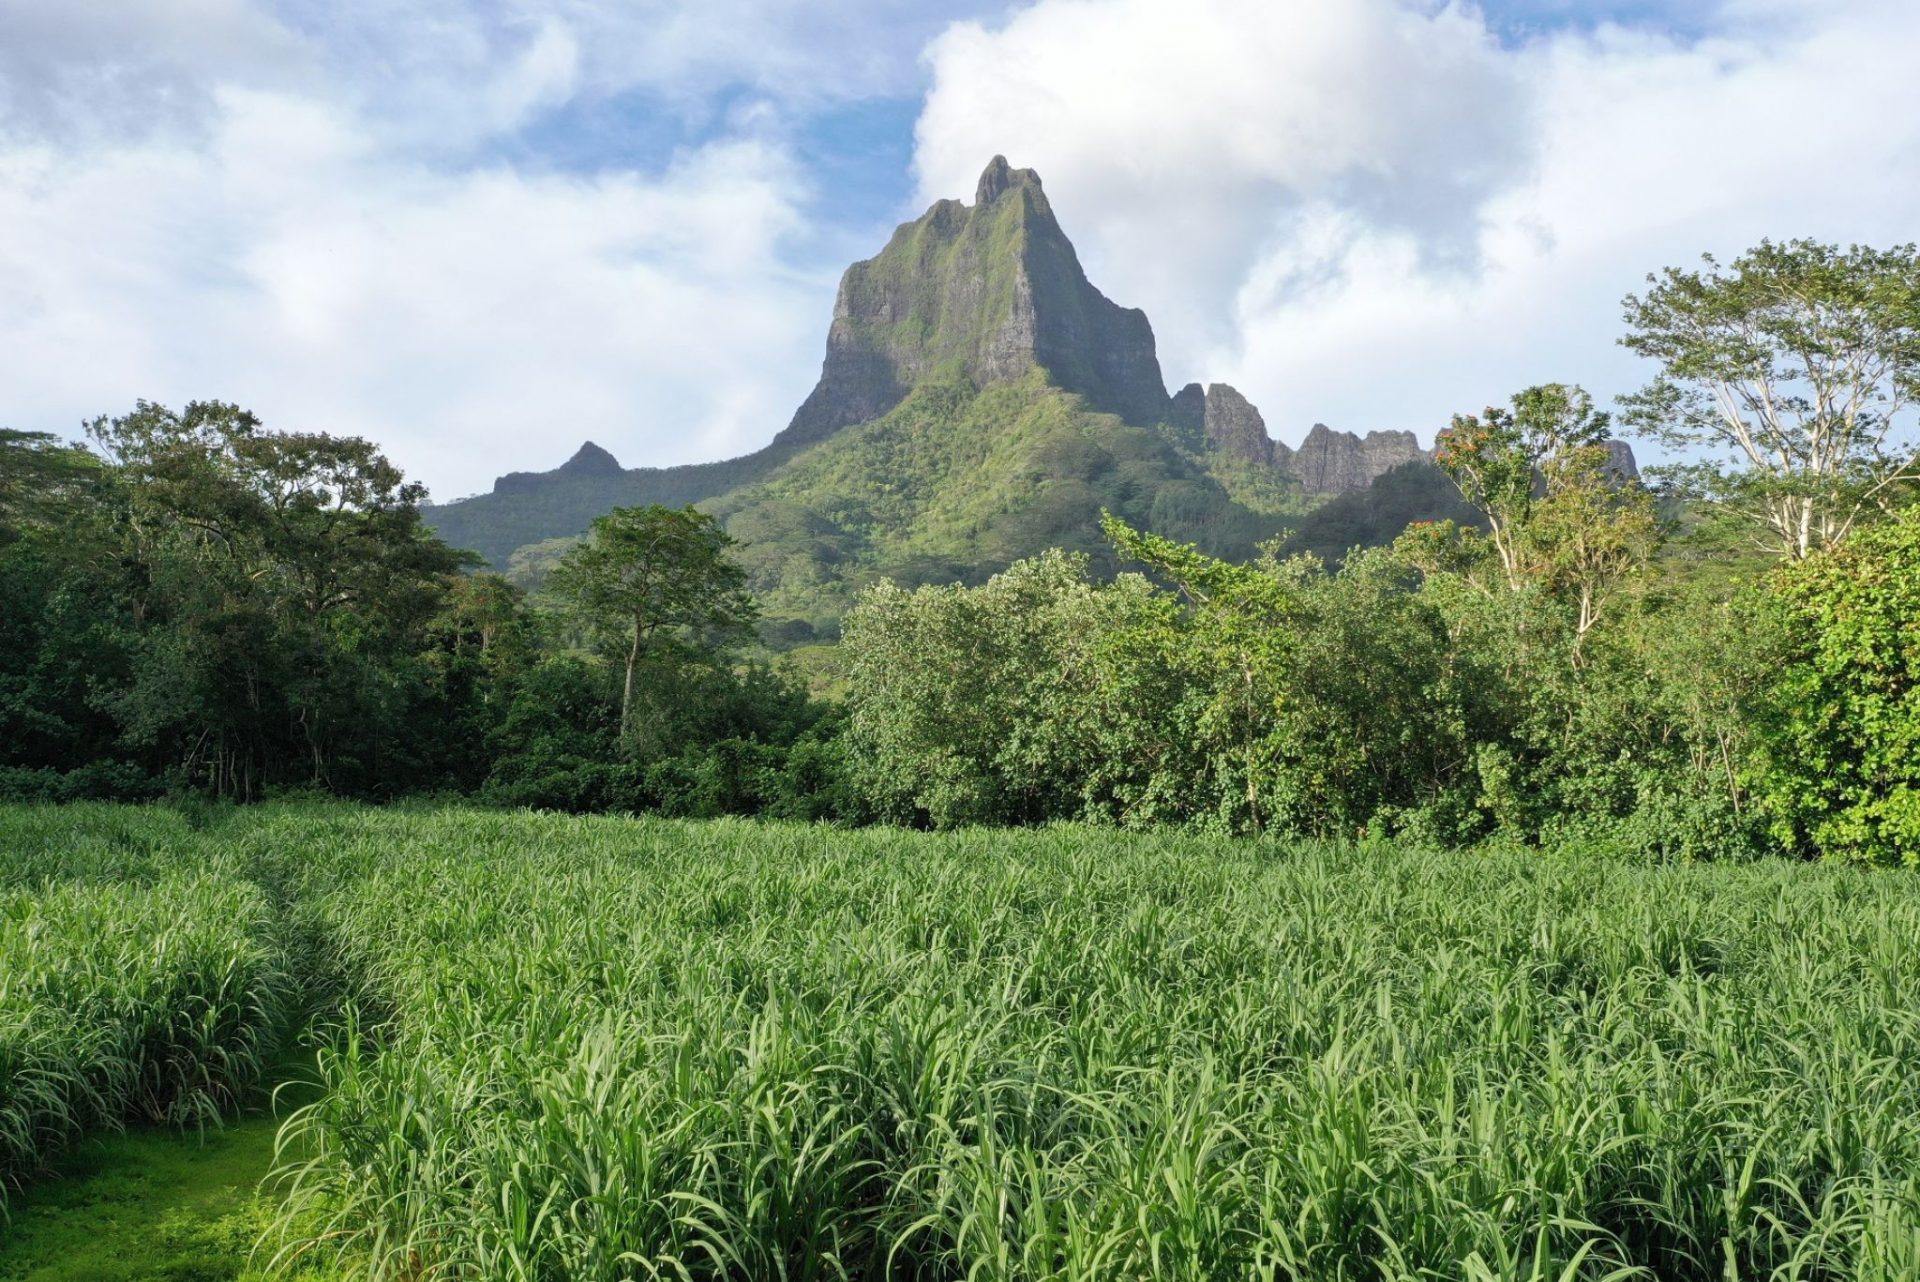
{"x":1841,"y":722}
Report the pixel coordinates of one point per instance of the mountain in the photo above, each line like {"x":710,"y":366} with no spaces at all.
{"x":980,"y":400}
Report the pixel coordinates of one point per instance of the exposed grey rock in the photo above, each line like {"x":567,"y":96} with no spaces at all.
{"x":992,"y":291}
{"x":1621,"y":465}
{"x":1330,"y":462}
{"x":1188,"y":409}
{"x":1234,"y":427}
{"x":996,"y":179}
{"x":591,"y":460}
{"x":994,"y":288}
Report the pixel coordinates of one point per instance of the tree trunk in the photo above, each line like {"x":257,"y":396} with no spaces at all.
{"x":626,"y":692}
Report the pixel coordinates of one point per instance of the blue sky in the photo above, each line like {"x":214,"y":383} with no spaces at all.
{"x":480,"y":231}
{"x":859,"y":147}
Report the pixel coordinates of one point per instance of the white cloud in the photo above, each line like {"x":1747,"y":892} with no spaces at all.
{"x":436,"y":71}
{"x":298,"y":207}
{"x":472,"y":322}
{"x":1373,"y":215}
{"x":327,"y":210}
{"x":1367,"y":213}
{"x":72,"y":71}
{"x":1179,"y":137}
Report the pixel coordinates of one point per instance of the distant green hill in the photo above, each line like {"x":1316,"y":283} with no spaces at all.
{"x":980,"y":401}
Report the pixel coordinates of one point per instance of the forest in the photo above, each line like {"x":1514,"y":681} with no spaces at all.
{"x":1722,"y":663}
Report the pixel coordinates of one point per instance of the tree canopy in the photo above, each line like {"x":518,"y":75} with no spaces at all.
{"x":644,"y":574}
{"x":1793,"y":370}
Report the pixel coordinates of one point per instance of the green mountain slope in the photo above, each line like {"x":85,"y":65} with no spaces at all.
{"x":957,"y":482}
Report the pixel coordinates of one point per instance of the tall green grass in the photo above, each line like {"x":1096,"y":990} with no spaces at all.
{"x":643,"y":1049}
{"x":154,"y":1002}
{"x":612,"y":1049}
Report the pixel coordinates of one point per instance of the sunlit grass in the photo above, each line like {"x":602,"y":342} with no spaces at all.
{"x":603,"y":1048}
{"x":120,"y":1002}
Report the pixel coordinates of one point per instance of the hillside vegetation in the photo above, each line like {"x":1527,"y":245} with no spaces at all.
{"x":957,"y":483}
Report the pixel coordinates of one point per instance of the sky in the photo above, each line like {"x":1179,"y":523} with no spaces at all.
{"x":480,"y":232}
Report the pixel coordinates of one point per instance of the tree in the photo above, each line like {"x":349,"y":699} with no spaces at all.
{"x":1796,"y":364}
{"x":1497,"y":458}
{"x":1041,"y":694}
{"x":1239,"y":636}
{"x":1590,"y":531}
{"x":1559,"y":515}
{"x":279,"y":584}
{"x":644,"y":574}
{"x":39,"y":479}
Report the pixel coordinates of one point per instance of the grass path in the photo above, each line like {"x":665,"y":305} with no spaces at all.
{"x":148,"y":1206}
{"x":155,"y":1204}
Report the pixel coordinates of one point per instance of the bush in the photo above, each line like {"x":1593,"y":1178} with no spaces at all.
{"x":96,"y":781}
{"x":1840,"y":725}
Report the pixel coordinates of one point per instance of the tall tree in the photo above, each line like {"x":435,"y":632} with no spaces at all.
{"x":1590,"y":531}
{"x":40,"y":478}
{"x":1796,"y":364}
{"x":1559,"y":517}
{"x":644,"y":574}
{"x":1498,"y":457}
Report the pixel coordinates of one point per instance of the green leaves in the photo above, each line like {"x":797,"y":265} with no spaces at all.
{"x":1797,"y":365}
{"x":574,"y":1048}
{"x":1001,"y":704}
{"x":645,"y":576}
{"x":41,"y":480}
{"x":1841,"y":723}
{"x":654,"y":569}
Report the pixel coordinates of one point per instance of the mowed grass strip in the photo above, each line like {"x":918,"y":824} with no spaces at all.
{"x":602,"y":1048}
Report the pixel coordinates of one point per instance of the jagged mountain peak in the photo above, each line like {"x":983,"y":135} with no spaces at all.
{"x":591,"y":460}
{"x":1234,"y":427}
{"x":993,"y":289}
{"x":999,"y":178}
{"x":979,"y":400}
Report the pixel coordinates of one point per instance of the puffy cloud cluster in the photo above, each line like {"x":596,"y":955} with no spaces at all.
{"x":425,"y":222}
{"x":472,"y":322}
{"x":1375,"y":213}
{"x":317,"y":210}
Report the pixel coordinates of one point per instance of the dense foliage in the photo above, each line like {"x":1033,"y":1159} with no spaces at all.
{"x":202,"y":605}
{"x":1542,"y":675}
{"x":1278,"y":695}
{"x":959,"y":481}
{"x":199,"y":604}
{"x":573,"y":1048}
{"x":1842,"y":723}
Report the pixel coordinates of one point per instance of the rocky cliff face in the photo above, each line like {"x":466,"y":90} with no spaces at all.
{"x":993,"y":288}
{"x":1233,"y":427}
{"x":1330,"y":462}
{"x":1223,"y":423}
{"x":1620,"y":461}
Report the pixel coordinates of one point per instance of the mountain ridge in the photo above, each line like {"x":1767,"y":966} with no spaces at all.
{"x":973,"y":334}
